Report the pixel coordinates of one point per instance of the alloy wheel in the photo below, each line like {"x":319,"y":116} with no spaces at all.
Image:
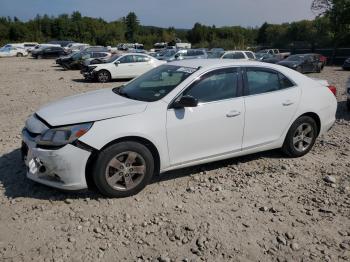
{"x":103,"y":76}
{"x":303,"y":137}
{"x":125,"y":171}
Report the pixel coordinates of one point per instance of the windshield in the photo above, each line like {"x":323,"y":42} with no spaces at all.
{"x":215,"y":54}
{"x":77,"y":56}
{"x":167,"y":53}
{"x":155,"y":84}
{"x":295,"y":58}
{"x":263,"y":55}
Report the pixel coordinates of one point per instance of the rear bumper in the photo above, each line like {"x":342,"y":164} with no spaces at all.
{"x":63,"y":168}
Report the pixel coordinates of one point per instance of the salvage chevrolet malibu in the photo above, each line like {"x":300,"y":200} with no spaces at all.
{"x":179,"y":114}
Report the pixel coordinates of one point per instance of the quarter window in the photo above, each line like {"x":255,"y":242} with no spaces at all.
{"x":285,"y":82}
{"x":215,"y":86}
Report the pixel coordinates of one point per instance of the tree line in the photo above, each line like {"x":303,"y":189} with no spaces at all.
{"x":330,"y":29}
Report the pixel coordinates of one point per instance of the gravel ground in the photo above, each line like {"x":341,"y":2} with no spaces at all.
{"x":262,"y":207}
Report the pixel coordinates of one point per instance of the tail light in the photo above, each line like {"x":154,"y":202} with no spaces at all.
{"x":333,"y":89}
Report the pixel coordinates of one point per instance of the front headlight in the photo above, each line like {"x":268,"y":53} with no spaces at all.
{"x":92,"y":68}
{"x":64,"y":135}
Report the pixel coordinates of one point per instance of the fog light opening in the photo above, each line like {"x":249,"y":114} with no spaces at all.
{"x":42,"y":169}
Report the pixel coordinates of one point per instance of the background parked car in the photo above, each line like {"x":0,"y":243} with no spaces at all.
{"x":76,"y":60}
{"x":62,"y":43}
{"x":346,"y":65}
{"x":165,"y":54}
{"x":29,"y":46}
{"x":100,"y":60}
{"x":75,"y":47}
{"x":267,"y":58}
{"x":48,"y":52}
{"x":125,"y":66}
{"x":275,"y":52}
{"x":189,"y":54}
{"x":306,"y":63}
{"x":13,"y":51}
{"x":239,"y":55}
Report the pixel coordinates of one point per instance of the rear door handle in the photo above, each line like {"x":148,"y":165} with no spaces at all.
{"x":288,"y":103}
{"x":233,"y":113}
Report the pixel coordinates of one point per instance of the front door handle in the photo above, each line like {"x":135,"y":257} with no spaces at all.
{"x":233,"y":113}
{"x":288,"y":103}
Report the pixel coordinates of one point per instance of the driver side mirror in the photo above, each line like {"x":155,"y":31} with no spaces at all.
{"x":117,"y":63}
{"x":185,"y":101}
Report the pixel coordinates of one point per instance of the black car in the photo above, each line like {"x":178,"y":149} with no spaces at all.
{"x":267,"y":58}
{"x":306,"y":63}
{"x":49,"y":52}
{"x":76,"y":60}
{"x":62,"y":43}
{"x":346,"y":65}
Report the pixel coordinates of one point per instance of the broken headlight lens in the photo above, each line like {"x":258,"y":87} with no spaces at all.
{"x":64,"y":135}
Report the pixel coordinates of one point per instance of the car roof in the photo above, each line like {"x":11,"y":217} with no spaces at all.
{"x":215,"y":63}
{"x":232,"y":51}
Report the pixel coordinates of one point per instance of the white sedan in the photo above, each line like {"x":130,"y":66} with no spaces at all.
{"x":13,"y":51}
{"x":125,"y":66}
{"x":177,"y":115}
{"x":239,"y":55}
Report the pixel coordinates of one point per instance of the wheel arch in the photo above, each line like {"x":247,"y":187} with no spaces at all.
{"x":315,"y":117}
{"x":104,"y":69}
{"x":92,"y":159}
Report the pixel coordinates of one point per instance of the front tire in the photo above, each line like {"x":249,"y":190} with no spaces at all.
{"x":123,"y":169}
{"x":301,"y":137}
{"x":19,"y":55}
{"x":103,"y":76}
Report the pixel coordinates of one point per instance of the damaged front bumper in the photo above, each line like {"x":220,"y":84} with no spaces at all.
{"x":62,"y":168}
{"x":88,"y":75}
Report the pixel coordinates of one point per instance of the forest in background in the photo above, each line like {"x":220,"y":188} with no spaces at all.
{"x":330,"y":29}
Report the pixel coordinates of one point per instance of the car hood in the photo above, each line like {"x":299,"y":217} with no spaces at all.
{"x":289,"y":63}
{"x":89,"y":107}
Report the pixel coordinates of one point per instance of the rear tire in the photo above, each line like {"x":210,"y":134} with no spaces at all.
{"x":301,"y":137}
{"x":19,"y":55}
{"x":103,"y":76}
{"x":123,"y":169}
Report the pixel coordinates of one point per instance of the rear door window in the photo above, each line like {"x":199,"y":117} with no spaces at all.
{"x":141,"y":59}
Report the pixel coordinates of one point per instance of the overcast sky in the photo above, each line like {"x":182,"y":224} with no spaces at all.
{"x":165,"y":13}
